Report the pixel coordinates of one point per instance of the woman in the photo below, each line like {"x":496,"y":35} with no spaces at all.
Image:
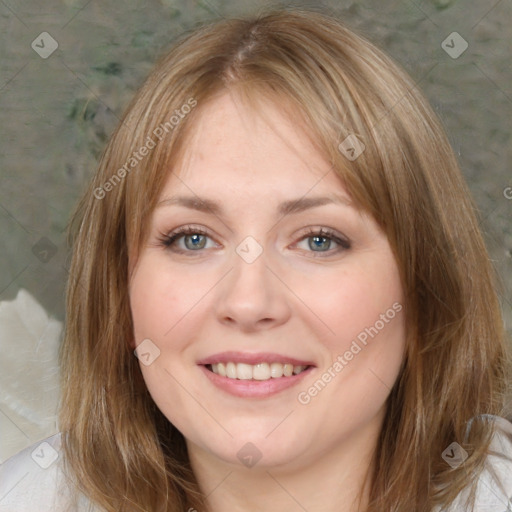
{"x":280,"y":233}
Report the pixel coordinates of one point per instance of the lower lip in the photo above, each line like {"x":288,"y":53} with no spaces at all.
{"x":254,"y":388}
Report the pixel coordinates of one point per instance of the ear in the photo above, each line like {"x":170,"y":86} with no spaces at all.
{"x":131,"y":342}
{"x":130,"y":339}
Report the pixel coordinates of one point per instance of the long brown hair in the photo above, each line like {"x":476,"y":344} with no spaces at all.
{"x":123,"y":453}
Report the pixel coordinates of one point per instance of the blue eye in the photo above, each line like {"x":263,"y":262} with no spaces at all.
{"x":195,"y":239}
{"x":322,"y":239}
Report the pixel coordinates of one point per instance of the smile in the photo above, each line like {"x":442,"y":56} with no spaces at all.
{"x":254,"y":375}
{"x":260,"y":371}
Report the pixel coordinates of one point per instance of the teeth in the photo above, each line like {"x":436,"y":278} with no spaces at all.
{"x":221,"y":369}
{"x":230,"y":370}
{"x":244,"y":371}
{"x":276,"y":370}
{"x":261,"y":371}
{"x":288,"y":370}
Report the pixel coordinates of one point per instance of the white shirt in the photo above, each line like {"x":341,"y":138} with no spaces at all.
{"x":34,"y":481}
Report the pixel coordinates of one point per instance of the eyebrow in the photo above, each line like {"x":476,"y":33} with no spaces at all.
{"x":291,"y":206}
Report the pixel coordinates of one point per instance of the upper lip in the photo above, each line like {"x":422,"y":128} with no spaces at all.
{"x":253,"y":358}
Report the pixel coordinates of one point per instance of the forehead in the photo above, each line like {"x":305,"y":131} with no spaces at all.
{"x":234,"y":149}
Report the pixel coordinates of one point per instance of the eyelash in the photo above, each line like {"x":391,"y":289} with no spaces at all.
{"x":169,"y":240}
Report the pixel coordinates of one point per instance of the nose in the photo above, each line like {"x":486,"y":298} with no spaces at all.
{"x":253,"y":295}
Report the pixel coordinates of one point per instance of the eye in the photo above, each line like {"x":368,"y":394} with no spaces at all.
{"x":323,"y":239}
{"x":194,"y":238}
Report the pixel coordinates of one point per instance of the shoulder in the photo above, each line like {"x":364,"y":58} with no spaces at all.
{"x":497,"y":478}
{"x":33,"y":479}
{"x":494,"y":487}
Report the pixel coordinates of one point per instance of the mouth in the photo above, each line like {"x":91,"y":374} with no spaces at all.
{"x":254,"y":375}
{"x":258,"y":372}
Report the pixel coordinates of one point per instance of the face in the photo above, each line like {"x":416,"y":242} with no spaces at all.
{"x":271,"y":329}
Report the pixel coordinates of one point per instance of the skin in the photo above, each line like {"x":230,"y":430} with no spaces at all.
{"x":294,"y":299}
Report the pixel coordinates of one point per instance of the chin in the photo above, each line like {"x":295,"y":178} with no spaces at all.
{"x":258,"y":450}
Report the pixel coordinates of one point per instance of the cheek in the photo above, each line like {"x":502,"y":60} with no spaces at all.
{"x":365,"y":351}
{"x":356,"y":304}
{"x":157,"y":300}
{"x":152,"y":304}
{"x":161,"y":313}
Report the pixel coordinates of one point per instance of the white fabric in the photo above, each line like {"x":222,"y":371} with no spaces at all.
{"x":492,"y":495}
{"x":33,"y":480}
{"x":29,"y":373}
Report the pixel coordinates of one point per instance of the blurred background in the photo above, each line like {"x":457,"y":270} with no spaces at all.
{"x":68,"y":70}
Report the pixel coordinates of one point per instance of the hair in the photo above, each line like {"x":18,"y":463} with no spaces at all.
{"x":121,"y":450}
